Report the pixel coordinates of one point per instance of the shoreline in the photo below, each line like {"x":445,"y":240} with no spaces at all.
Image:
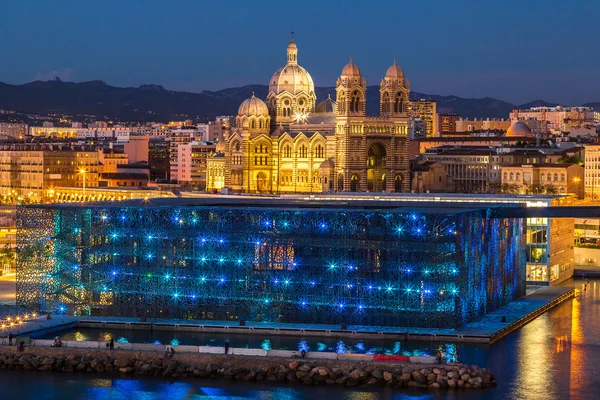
{"x":345,"y":373}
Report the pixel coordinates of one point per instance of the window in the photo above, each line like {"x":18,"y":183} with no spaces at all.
{"x":512,"y":176}
{"x":302,"y":151}
{"x":287,"y":150}
{"x":355,"y":103}
{"x":562,"y":177}
{"x":319,"y":151}
{"x":505,"y":176}
{"x":555,"y":177}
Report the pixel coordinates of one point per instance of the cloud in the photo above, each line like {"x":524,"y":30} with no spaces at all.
{"x":65,"y":74}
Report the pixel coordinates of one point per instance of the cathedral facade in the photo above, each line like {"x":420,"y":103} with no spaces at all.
{"x":292,"y":144}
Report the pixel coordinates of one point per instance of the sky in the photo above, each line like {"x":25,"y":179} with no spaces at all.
{"x":512,"y":50}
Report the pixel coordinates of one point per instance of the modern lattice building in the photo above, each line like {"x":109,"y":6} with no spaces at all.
{"x":364,"y":262}
{"x":292,"y":144}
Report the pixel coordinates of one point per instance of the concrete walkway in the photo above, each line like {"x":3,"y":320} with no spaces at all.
{"x":478,"y":331}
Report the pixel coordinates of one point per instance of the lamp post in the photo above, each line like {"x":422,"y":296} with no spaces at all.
{"x":83,"y":171}
{"x":576,"y":180}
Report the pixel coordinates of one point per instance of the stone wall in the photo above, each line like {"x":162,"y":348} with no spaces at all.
{"x":243,"y":368}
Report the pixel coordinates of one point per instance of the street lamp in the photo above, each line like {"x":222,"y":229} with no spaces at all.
{"x":83,"y":171}
{"x":576,"y":180}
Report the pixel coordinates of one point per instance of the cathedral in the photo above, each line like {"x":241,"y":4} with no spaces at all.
{"x":292,"y":144}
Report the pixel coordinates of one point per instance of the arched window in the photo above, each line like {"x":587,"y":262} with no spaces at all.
{"x":512,"y":176}
{"x":253,"y":124}
{"x":562,"y":177}
{"x":555,"y":177}
{"x":318,"y":151}
{"x":505,"y":176}
{"x":398,"y":103}
{"x":260,"y":123}
{"x":302,"y":151}
{"x":518,"y":176}
{"x":342,"y":103}
{"x":355,"y":103}
{"x":340,"y":182}
{"x":385,"y":103}
{"x":549,"y":177}
{"x":287,"y":150}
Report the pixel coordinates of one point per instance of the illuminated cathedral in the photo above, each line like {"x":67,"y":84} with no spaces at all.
{"x":292,"y":144}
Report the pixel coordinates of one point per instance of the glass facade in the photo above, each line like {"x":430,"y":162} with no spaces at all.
{"x":387,"y":266}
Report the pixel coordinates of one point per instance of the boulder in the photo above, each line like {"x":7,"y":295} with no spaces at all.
{"x":388,"y":376}
{"x":304,"y":368}
{"x":373,"y":381}
{"x":354,"y":375}
{"x":434,"y":386}
{"x":122,"y":363}
{"x":377,"y":373}
{"x":341,"y":381}
{"x":452,"y":383}
{"x":453,"y":375}
{"x":126,"y":370}
{"x":465,"y":377}
{"x":294,"y":365}
{"x":431,"y":377}
{"x":419,"y":377}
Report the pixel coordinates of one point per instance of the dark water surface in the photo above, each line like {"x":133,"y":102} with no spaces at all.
{"x":557,"y":356}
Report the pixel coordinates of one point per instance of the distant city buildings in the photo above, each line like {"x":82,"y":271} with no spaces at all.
{"x":13,"y":130}
{"x":559,"y":119}
{"x":447,"y":122}
{"x":480,"y":124}
{"x":426,"y":111}
{"x":34,"y":170}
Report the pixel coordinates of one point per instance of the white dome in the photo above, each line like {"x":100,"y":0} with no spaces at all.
{"x":253,"y":106}
{"x":292,"y":77}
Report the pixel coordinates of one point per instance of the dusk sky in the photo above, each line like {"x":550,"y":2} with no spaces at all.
{"x":513,"y":50}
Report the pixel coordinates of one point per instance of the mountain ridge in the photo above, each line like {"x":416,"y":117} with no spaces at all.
{"x":152,"y":102}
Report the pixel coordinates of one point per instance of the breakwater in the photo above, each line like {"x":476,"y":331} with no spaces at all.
{"x":251,"y":369}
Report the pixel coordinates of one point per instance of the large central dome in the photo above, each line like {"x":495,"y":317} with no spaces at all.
{"x":291,"y":77}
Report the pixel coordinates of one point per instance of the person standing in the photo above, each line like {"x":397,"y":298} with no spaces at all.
{"x":227,"y":346}
{"x":10,"y":338}
{"x":111,"y":344}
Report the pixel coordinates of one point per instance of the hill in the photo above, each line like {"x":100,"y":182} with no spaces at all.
{"x":155,"y":103}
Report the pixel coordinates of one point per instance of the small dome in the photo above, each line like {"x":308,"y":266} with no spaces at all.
{"x":253,"y":106}
{"x":326,"y":106}
{"x":394,"y":72}
{"x":351,"y":70}
{"x":328,"y":164}
{"x":519,"y":129}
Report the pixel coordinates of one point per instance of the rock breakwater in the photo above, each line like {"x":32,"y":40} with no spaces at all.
{"x":251,"y":369}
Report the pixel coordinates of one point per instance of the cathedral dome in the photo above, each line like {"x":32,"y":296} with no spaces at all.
{"x":394,"y":72}
{"x":518,"y":129}
{"x":326,"y":106}
{"x":253,"y":106}
{"x":351,"y":70}
{"x":291,"y":77}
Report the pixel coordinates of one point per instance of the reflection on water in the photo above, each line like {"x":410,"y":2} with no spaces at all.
{"x":557,"y":356}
